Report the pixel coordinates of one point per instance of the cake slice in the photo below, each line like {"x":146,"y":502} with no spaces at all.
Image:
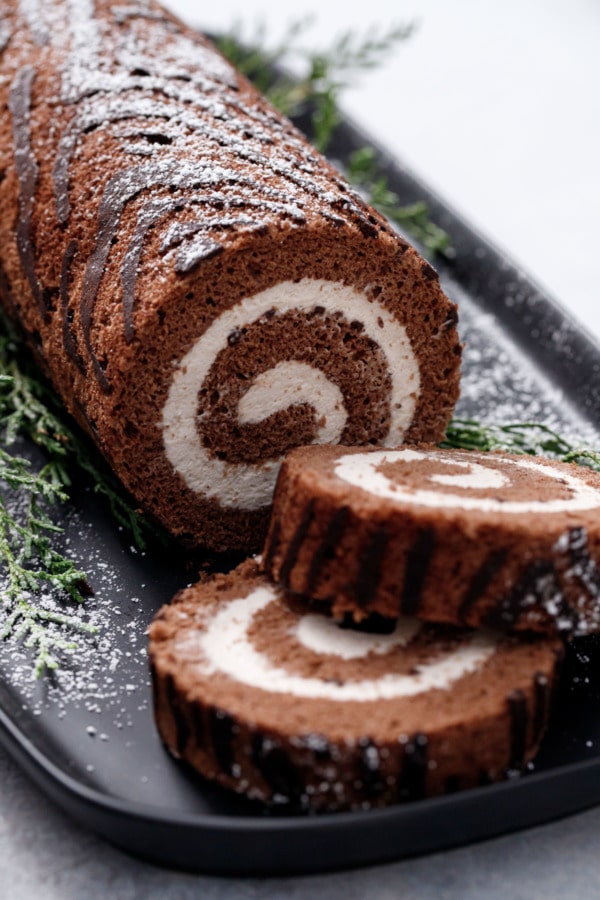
{"x":271,"y":698}
{"x":478,"y":539}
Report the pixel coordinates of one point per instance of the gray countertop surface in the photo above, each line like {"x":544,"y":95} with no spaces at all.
{"x":497,"y":107}
{"x":44,"y":855}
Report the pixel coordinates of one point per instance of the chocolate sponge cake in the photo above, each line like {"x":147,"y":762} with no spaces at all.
{"x":272,"y":699}
{"x":204,"y":290}
{"x":479,"y":539}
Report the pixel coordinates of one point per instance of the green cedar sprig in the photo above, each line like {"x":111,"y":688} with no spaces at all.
{"x":325,"y":72}
{"x":32,"y":566}
{"x":364,"y":174}
{"x":530,"y":438}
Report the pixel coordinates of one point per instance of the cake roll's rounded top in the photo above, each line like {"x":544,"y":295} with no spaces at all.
{"x":450,"y":536}
{"x":244,"y":675}
{"x":190,"y":144}
{"x":203,"y":288}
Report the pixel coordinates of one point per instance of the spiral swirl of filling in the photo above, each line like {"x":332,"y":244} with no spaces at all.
{"x":491,"y":477}
{"x":358,"y":667}
{"x":288,"y":383}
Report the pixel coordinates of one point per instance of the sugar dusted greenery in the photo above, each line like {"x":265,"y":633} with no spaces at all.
{"x":32,"y":566}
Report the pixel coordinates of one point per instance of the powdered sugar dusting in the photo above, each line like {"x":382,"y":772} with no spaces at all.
{"x":502,"y":385}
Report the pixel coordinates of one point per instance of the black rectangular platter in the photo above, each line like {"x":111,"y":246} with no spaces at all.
{"x":87,"y":737}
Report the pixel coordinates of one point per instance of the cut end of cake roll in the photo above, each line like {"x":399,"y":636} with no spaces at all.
{"x":271,"y":699}
{"x":478,"y":539}
{"x":205,"y":290}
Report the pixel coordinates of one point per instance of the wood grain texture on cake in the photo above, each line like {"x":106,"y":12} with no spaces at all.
{"x":469,"y":538}
{"x":271,"y":699}
{"x":204,"y":290}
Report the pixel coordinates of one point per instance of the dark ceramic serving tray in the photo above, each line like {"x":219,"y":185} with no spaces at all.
{"x":87,"y":737}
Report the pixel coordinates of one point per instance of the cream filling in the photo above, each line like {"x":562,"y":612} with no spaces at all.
{"x":362,"y":471}
{"x":321,"y":635}
{"x":290,"y":384}
{"x":251,"y":486}
{"x":224,"y":648}
{"x":477,"y":477}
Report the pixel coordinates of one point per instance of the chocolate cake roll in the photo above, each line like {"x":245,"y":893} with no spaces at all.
{"x":478,"y":539}
{"x":270,"y":698}
{"x":204,"y":290}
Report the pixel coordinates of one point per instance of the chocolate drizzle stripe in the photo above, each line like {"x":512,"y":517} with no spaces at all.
{"x":68,"y":338}
{"x":182,"y":730}
{"x":517,"y":707}
{"x":277,"y":769}
{"x":481,"y":581}
{"x":137,"y":11}
{"x":369,"y":570}
{"x":5,"y":34}
{"x":272,"y":545}
{"x":151,"y":213}
{"x":19,"y":104}
{"x":296,"y":542}
{"x":451,"y":784}
{"x":412,"y":784}
{"x":155,"y":687}
{"x":417,"y":565}
{"x":542,"y":705}
{"x":538,"y":582}
{"x":222,"y":731}
{"x":198,"y":727}
{"x":370,"y":770}
{"x":326,"y":549}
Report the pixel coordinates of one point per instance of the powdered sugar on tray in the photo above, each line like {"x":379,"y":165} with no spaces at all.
{"x":100,"y":689}
{"x":502,"y":385}
{"x":88,"y":675}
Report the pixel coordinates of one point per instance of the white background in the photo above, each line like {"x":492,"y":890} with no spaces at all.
{"x":497,"y":106}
